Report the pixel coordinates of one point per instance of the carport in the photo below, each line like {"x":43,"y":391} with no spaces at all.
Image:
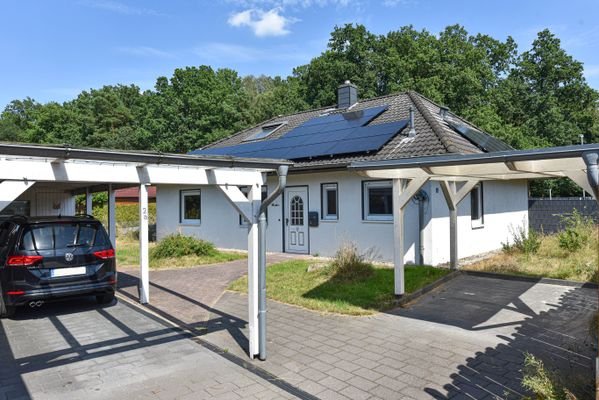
{"x":28,"y":167}
{"x":458,"y":174}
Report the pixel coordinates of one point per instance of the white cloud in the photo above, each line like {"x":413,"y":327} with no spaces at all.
{"x":262,"y":23}
{"x":144,"y":51}
{"x":119,"y":8}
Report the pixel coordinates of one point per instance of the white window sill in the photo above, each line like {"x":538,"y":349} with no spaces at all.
{"x":190,"y":223}
{"x":377,"y":221}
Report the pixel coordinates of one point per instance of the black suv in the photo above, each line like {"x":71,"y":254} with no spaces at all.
{"x":43,"y":258}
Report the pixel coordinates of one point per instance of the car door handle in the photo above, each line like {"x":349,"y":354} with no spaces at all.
{"x":286,"y":221}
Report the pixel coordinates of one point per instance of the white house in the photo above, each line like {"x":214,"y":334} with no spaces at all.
{"x":326,"y":204}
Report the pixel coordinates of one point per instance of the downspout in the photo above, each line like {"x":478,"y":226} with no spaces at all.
{"x":421,"y":197}
{"x":282,"y":173}
{"x":591,"y":160}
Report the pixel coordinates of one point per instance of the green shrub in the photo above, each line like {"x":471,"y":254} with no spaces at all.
{"x":349,"y":265}
{"x":178,"y":245}
{"x":522,"y":241}
{"x":577,"y":233}
{"x":127,"y":215}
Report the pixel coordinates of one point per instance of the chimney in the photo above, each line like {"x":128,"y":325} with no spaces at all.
{"x":347,"y":95}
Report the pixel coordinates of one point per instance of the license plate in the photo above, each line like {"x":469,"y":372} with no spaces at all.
{"x":68,"y":271}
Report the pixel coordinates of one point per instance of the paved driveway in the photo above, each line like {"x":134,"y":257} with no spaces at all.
{"x":78,"y":350}
{"x":466,"y":340}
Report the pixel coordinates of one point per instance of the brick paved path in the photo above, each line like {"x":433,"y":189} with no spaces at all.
{"x":78,"y":350}
{"x":189,"y":293}
{"x":466,"y":340}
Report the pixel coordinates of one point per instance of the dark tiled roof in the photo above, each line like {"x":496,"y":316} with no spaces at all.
{"x":433,"y":134}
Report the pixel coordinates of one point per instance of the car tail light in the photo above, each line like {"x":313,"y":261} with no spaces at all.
{"x":104,"y":254}
{"x":23,"y":261}
{"x":15,"y":292}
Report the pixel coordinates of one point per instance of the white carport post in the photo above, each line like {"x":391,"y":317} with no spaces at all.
{"x":144,"y":255}
{"x":10,"y":190}
{"x":112,"y":215}
{"x":248,"y":207}
{"x":453,"y":197}
{"x":403,"y":191}
{"x":89,"y":197}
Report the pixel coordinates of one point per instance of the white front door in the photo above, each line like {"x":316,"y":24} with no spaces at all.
{"x":296,"y":219}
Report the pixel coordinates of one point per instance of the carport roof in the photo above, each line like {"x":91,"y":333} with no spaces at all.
{"x":147,"y":157}
{"x":504,"y":165}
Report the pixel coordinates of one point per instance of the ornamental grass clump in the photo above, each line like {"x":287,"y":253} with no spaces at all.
{"x":178,"y":245}
{"x":349,"y":265}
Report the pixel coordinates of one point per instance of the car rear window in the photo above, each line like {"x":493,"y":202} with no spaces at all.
{"x":63,"y":235}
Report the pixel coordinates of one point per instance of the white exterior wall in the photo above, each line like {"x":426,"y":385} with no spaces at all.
{"x":505,"y":208}
{"x":47,"y":202}
{"x":220,"y":222}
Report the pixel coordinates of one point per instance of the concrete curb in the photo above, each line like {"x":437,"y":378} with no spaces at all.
{"x":550,"y":281}
{"x":408,"y":298}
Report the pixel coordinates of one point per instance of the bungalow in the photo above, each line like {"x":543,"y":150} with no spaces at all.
{"x":325,"y":203}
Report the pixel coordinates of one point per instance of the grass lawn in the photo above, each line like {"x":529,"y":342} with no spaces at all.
{"x":291,"y":283}
{"x":127,"y":255}
{"x":550,"y":261}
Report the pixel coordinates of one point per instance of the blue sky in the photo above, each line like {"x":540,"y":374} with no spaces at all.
{"x":53,"y":49}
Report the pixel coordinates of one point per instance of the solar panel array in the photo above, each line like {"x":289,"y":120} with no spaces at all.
{"x":482,"y":140}
{"x":329,"y":135}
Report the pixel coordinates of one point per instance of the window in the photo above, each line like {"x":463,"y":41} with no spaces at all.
{"x":477,"y":211}
{"x":246,"y":190}
{"x":378,"y":201}
{"x":264,"y":132}
{"x":297,"y":211}
{"x":329,"y":201}
{"x":62,"y":236}
{"x":191,"y":210}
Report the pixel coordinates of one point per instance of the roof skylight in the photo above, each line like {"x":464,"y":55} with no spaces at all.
{"x":265,"y":131}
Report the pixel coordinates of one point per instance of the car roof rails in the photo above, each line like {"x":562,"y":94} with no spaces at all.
{"x":83,"y":215}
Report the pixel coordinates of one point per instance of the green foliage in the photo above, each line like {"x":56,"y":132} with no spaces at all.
{"x":127,"y":215}
{"x":178,"y":245}
{"x":349,"y":265}
{"x":523,"y":241}
{"x":541,"y":383}
{"x":538,"y":97}
{"x":577,"y":233}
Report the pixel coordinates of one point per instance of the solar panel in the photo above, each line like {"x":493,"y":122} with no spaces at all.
{"x":482,"y":140}
{"x":322,"y":136}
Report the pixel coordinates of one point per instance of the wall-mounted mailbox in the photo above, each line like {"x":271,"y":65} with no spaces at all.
{"x":313,"y":218}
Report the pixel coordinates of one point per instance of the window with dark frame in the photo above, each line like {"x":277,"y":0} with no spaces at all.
{"x":477,"y":206}
{"x":329,"y":201}
{"x":378,"y":200}
{"x":191,"y":206}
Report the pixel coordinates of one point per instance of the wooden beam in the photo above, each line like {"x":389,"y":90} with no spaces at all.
{"x":238,"y":200}
{"x":254,"y":200}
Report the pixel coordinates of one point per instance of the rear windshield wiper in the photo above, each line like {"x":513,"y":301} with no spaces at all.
{"x":78,"y":245}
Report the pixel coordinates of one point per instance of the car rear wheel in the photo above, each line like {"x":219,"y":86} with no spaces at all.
{"x":105,"y":298}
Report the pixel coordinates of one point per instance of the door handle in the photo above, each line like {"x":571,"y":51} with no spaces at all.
{"x":286,"y":221}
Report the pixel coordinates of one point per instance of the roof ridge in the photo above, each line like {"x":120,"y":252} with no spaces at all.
{"x":433,"y":123}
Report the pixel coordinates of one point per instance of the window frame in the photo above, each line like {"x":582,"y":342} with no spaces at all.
{"x":477,"y":194}
{"x":325,"y":188}
{"x":259,"y":135}
{"x":366,"y":185}
{"x":182,"y":195}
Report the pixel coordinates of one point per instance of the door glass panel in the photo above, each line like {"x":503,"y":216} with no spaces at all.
{"x":297,"y":211}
